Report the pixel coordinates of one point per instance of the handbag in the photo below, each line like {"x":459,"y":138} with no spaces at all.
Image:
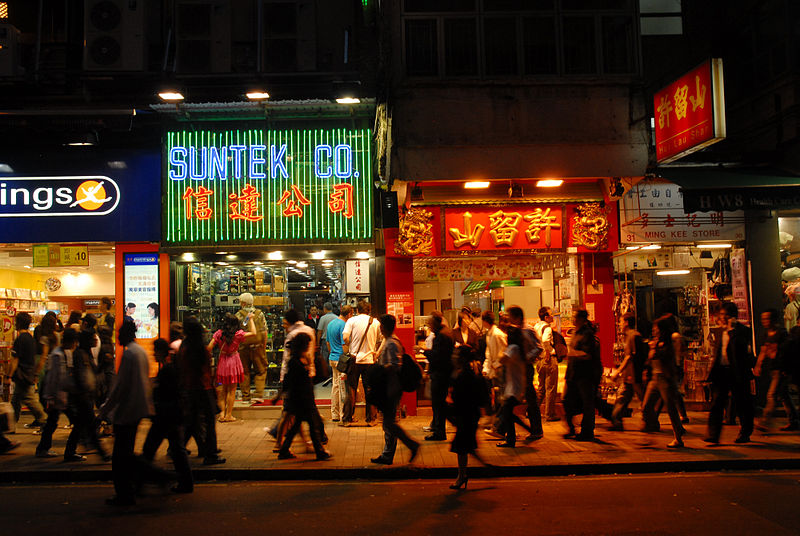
{"x":347,"y":359}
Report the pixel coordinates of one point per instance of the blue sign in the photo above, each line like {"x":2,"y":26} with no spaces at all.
{"x":81,"y":196}
{"x":138,"y":259}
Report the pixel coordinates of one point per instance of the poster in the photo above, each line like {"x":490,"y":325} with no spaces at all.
{"x":739,"y":284}
{"x":357,"y":277}
{"x":141,"y":293}
{"x":401,"y":305}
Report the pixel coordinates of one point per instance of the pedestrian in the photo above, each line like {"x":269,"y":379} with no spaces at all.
{"x":663,"y":383}
{"x":197,"y":390}
{"x":167,"y":423}
{"x":299,"y":399}
{"x":496,"y":342}
{"x":58,"y":381}
{"x":465,"y":334}
{"x":630,"y":370}
{"x":128,"y":403}
{"x":773,"y":363}
{"x":252,"y":351}
{"x":24,"y":377}
{"x":229,"y":366}
{"x":334,"y":344}
{"x":731,"y":375}
{"x":531,"y":350}
{"x":584,"y":371}
{"x":469,"y":393}
{"x":390,"y":357}
{"x":547,"y":364}
{"x":360,"y":334}
{"x":514,"y":367}
{"x":680,"y":350}
{"x":440,"y":367}
{"x":106,"y":317}
{"x":106,"y":364}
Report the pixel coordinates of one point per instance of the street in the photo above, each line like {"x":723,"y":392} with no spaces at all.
{"x":706,"y":503}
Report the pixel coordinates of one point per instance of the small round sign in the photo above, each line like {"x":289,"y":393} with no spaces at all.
{"x":11,"y":311}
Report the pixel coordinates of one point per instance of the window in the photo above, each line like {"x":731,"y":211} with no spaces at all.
{"x":460,"y":47}
{"x":438,"y":6}
{"x":539,"y":34}
{"x":500,"y":44}
{"x":618,"y":45}
{"x":660,"y":17}
{"x":579,"y":50}
{"x":421,"y":47}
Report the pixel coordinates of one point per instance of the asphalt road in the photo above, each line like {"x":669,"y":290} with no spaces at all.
{"x":758,"y":503}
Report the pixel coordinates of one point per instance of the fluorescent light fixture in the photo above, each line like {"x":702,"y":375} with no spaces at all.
{"x":188,"y":256}
{"x":292,"y":262}
{"x":673,"y":272}
{"x":348,"y":100}
{"x":231,"y":257}
{"x":257,"y":95}
{"x":171,"y":96}
{"x":362,"y":254}
{"x":652,"y":246}
{"x":302,"y":264}
{"x":471,"y":185}
{"x":549,"y":183}
{"x":222,"y":263}
{"x":275,"y":256}
{"x":714,"y":246}
{"x":317,"y":255}
{"x":631,"y":248}
{"x":258,"y":263}
{"x":221,"y":252}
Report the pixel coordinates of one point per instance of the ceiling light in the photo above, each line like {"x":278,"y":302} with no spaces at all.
{"x":713,"y":246}
{"x":292,"y":262}
{"x":258,"y":263}
{"x":111,"y":265}
{"x":317,"y":255}
{"x":222,"y":263}
{"x":275,"y":256}
{"x":302,"y":264}
{"x":633,"y":247}
{"x":348,"y":100}
{"x":652,"y":246}
{"x":362,"y":254}
{"x":26,"y":266}
{"x":673,"y":272}
{"x":231,"y":257}
{"x":188,"y":256}
{"x":549,"y":183}
{"x":476,"y":184}
{"x":171,"y":96}
{"x":257,"y":95}
{"x":221,"y":252}
{"x":84,"y":140}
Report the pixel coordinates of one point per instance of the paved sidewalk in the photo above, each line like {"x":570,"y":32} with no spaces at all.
{"x":248,"y":450}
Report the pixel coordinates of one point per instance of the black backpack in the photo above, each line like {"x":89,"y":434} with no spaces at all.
{"x":410,"y":374}
{"x":642,"y":351}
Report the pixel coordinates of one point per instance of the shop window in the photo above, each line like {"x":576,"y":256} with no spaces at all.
{"x":421,"y":47}
{"x":539,"y":41}
{"x":579,"y":49}
{"x":461,"y":47}
{"x":500,"y":38}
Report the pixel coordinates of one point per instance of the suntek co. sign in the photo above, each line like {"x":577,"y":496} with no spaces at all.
{"x":22,"y":197}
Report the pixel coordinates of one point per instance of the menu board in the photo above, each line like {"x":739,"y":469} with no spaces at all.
{"x":141,"y":293}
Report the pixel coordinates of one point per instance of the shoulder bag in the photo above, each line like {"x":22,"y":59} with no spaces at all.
{"x":348,"y":359}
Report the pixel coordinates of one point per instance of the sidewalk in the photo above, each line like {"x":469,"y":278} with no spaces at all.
{"x":248,"y":450}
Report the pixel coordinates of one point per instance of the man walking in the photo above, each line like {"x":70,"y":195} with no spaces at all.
{"x":24,"y":377}
{"x":252,"y":351}
{"x":333,"y":343}
{"x":516,"y":320}
{"x":547,"y":364}
{"x":731,"y":375}
{"x":584,"y":370}
{"x":361,"y":335}
{"x":440,"y":367}
{"x":630,"y":370}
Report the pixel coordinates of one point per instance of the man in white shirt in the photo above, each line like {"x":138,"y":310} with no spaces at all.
{"x":547,"y":364}
{"x":361,"y":335}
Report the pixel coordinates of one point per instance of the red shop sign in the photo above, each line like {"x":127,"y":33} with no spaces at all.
{"x":690,"y":112}
{"x":499,"y":228}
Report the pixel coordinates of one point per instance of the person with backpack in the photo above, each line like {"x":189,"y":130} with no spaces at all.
{"x":531,"y":351}
{"x":57,"y":384}
{"x":547,"y":365}
{"x":584,"y":371}
{"x":390,"y":357}
{"x":630,"y":370}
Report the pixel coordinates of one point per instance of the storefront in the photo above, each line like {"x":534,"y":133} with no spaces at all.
{"x":684,"y":264}
{"x":552,"y":251}
{"x":69,"y":220}
{"x":285,"y":215}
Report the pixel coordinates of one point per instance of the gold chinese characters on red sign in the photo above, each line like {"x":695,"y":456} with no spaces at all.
{"x":511,"y":227}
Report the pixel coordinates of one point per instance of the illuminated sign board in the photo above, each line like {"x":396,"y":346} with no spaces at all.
{"x":141,"y":293}
{"x":22,"y":197}
{"x":60,"y":255}
{"x":515,"y":227}
{"x":690,"y":112}
{"x":268,"y":186}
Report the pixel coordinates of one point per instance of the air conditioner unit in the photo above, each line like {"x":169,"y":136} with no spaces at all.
{"x":9,"y":50}
{"x":114,"y":35}
{"x":203,"y":36}
{"x":290,"y":36}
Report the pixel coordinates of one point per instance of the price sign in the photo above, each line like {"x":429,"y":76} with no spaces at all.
{"x":60,"y":255}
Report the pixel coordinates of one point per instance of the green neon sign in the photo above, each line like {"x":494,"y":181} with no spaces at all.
{"x":268,"y":187}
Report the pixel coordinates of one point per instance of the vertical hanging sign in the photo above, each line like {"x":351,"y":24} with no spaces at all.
{"x":357,"y":277}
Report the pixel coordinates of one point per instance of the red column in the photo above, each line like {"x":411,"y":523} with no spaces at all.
{"x":599,"y":299}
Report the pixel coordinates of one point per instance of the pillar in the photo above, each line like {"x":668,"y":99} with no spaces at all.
{"x":762,"y":249}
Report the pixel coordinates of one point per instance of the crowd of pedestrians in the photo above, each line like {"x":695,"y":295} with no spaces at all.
{"x":485,"y":366}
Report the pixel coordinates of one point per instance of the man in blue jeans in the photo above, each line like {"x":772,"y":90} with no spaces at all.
{"x":24,"y":350}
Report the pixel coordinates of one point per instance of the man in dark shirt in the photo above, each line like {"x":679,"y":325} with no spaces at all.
{"x":24,"y":350}
{"x":584,"y":371}
{"x":440,"y":366}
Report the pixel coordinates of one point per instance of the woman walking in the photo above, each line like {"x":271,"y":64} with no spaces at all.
{"x":663,"y":381}
{"x":469,"y":393}
{"x":229,"y":368}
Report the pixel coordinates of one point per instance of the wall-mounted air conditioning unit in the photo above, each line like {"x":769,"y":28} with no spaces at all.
{"x":9,"y":50}
{"x":203,"y":36}
{"x":114,"y":35}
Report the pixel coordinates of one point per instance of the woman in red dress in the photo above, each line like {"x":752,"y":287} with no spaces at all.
{"x":229,"y":367}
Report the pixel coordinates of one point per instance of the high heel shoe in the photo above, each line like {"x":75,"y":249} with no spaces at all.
{"x":459,"y":483}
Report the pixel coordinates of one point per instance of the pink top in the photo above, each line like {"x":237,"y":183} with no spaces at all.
{"x":233,"y":347}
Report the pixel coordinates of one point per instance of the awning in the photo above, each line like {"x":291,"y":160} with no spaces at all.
{"x":506,"y":283}
{"x":716,"y":188}
{"x":475,"y":286}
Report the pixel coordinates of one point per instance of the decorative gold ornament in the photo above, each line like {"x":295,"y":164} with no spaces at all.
{"x":590,"y":226}
{"x":416,"y":233}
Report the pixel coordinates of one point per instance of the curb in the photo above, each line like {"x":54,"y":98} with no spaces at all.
{"x":416,"y":473}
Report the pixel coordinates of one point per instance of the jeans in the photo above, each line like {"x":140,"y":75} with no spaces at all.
{"x":723,"y":387}
{"x":509,"y":420}
{"x":392,"y":431}
{"x":356,"y":372}
{"x":172,"y":431}
{"x":439,"y":386}
{"x":624,"y":397}
{"x":23,"y":394}
{"x":534,"y":413}
{"x":666,"y":389}
{"x":779,"y":392}
{"x":547,"y":372}
{"x":580,"y":398}
{"x":338,"y":392}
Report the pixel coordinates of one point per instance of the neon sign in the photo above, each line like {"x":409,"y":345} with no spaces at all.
{"x":268,"y":186}
{"x":57,"y":196}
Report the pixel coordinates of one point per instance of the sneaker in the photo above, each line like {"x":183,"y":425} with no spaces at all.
{"x":505,"y":445}
{"x":34,"y":425}
{"x":711,"y":440}
{"x":427,"y":429}
{"x":493,"y":433}
{"x":47,"y":454}
{"x":74,"y":458}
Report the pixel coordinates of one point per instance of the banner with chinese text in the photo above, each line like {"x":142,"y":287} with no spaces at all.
{"x":515,"y":227}
{"x":654,"y":212}
{"x":268,"y":187}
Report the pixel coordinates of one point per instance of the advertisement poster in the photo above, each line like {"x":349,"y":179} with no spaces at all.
{"x":141,"y":293}
{"x":357,"y":277}
{"x":739,"y":284}
{"x":401,"y":305}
